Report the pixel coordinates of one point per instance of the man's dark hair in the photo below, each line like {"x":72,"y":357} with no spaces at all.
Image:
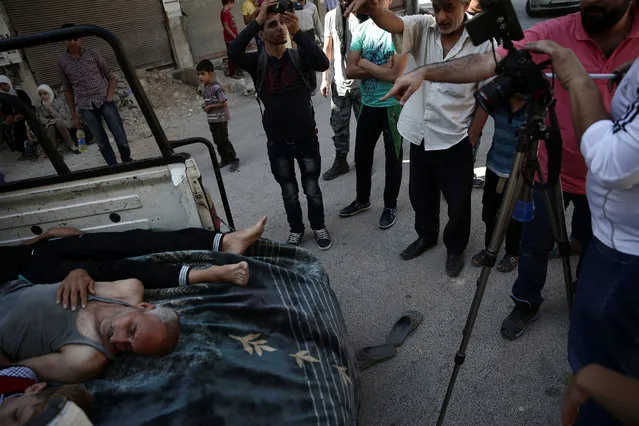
{"x":67,"y":25}
{"x":205,"y":65}
{"x":225,"y":2}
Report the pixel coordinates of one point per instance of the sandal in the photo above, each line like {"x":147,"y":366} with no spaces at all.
{"x":403,"y":327}
{"x":371,"y":355}
{"x":479,"y":259}
{"x":508,"y":263}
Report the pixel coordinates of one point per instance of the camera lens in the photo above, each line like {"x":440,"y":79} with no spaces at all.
{"x":495,"y":94}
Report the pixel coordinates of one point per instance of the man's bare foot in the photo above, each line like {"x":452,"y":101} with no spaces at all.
{"x":237,"y":242}
{"x":237,"y":273}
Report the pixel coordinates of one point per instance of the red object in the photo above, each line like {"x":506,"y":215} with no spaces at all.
{"x":10,"y":385}
{"x":227,"y":18}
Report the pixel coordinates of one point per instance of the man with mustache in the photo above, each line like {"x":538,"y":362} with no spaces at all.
{"x":442,"y":124}
{"x":605,"y":36}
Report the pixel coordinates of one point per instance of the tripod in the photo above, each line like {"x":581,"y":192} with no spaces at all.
{"x":519,"y":185}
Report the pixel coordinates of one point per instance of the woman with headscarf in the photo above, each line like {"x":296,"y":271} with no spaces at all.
{"x":12,"y":124}
{"x":52,"y":115}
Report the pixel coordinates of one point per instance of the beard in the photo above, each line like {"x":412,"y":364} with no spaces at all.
{"x":604,"y":20}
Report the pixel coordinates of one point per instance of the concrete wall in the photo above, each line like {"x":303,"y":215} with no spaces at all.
{"x":177,"y":34}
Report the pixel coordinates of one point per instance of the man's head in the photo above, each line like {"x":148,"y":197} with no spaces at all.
{"x":143,"y":330}
{"x":20,"y":409}
{"x":74,"y":43}
{"x":273,"y":31}
{"x":450,"y":15}
{"x":598,"y":16}
{"x":205,"y":71}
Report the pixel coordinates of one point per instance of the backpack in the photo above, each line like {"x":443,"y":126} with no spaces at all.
{"x":308,"y":77}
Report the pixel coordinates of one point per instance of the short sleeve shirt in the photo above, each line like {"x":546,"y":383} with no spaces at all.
{"x":214,"y":94}
{"x":376,"y":46}
{"x":227,"y":18}
{"x":248,"y":8}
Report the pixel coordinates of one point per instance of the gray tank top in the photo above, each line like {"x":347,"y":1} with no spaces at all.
{"x":32,"y":324}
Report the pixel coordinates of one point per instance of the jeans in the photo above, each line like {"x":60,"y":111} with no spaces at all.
{"x":448,"y":172}
{"x":491,"y":202}
{"x":372,"y":123}
{"x":537,"y":241}
{"x":231,"y":64}
{"x":604,"y":327}
{"x":93,"y":119}
{"x":282,"y":156}
{"x":341,"y":116}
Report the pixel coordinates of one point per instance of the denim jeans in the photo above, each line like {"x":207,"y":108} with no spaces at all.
{"x":604,"y":327}
{"x":537,"y":241}
{"x":282,"y":155}
{"x":93,"y":119}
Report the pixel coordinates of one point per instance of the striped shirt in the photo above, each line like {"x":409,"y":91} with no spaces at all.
{"x":438,"y":113}
{"x":214,"y":94}
{"x":502,"y":152}
{"x":86,"y":77}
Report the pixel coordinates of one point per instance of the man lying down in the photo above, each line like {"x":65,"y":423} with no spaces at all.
{"x":71,"y":346}
{"x":77,"y":259}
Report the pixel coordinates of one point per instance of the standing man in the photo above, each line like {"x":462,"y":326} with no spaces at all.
{"x":90,"y":85}
{"x":604,"y":36}
{"x":309,"y":20}
{"x":288,"y":117}
{"x":373,"y":58}
{"x":439,"y":122}
{"x":345,"y":92}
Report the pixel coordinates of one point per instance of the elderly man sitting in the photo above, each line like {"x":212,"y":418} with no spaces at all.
{"x":72,"y":346}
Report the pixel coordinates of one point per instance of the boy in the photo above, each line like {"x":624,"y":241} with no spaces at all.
{"x":499,"y":162}
{"x":217,"y":114}
{"x":230,"y":30}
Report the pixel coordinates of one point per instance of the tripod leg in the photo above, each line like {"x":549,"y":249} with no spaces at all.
{"x":557,"y":216}
{"x":512,"y":191}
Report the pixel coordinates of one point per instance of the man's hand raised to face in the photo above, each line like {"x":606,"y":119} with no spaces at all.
{"x":77,"y":283}
{"x":290,"y":20}
{"x":261,"y":16}
{"x":565,"y":64}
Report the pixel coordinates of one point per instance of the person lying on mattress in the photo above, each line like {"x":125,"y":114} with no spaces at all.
{"x":103,"y":256}
{"x":24,"y":398}
{"x":67,"y":346}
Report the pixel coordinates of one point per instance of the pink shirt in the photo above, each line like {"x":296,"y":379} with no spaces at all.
{"x":567,"y":31}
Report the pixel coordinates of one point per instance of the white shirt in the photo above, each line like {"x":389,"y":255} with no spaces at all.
{"x":338,"y":63}
{"x":439,"y":113}
{"x":611,"y":151}
{"x":309,"y":19}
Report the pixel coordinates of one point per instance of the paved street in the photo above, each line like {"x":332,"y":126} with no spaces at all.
{"x":501,"y":383}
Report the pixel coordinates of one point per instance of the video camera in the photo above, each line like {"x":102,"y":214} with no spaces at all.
{"x":285,"y":6}
{"x":516,"y":73}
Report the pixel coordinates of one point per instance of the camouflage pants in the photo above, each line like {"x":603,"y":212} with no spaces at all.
{"x":341,"y":116}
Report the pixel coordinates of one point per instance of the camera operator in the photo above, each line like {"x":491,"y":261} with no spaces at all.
{"x":288,"y":118}
{"x":604,"y":35}
{"x":605,"y":316}
{"x":442,"y":123}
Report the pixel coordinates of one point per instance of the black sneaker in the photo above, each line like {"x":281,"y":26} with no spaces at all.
{"x":353,"y":208}
{"x":295,"y":238}
{"x":389,"y":216}
{"x":323,"y":238}
{"x":516,"y":322}
{"x":235,"y":166}
{"x":478,"y":182}
{"x":224,"y":164}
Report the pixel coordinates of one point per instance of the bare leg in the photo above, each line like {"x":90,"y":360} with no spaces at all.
{"x":237,"y":242}
{"x":237,"y":273}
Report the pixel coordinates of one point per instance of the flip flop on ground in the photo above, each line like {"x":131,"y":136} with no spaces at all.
{"x":371,"y":355}
{"x":403,"y":327}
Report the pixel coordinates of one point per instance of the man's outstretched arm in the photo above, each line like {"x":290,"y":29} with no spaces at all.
{"x":73,"y":364}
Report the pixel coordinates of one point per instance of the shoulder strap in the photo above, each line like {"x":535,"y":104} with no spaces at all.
{"x":260,"y":76}
{"x":297,"y":64}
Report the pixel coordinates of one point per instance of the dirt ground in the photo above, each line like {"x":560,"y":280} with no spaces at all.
{"x":176,"y":104}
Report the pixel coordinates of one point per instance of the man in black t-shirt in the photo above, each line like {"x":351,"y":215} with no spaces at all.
{"x":288,"y":117}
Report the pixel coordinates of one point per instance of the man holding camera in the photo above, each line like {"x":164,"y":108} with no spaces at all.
{"x":436,"y":122}
{"x":604,"y":35}
{"x":605,"y":315}
{"x":281,"y":82}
